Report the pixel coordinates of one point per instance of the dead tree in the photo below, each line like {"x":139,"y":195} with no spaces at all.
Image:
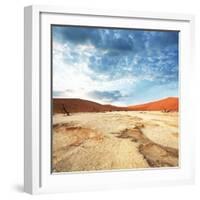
{"x":65,"y":110}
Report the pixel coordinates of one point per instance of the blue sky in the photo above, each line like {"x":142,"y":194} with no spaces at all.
{"x":114,"y":66}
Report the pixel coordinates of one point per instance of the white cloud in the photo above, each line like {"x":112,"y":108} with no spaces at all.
{"x":73,"y":79}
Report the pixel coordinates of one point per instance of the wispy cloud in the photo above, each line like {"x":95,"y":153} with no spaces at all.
{"x":106,"y":96}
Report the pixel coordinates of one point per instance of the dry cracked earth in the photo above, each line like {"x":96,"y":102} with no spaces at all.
{"x":114,"y":140}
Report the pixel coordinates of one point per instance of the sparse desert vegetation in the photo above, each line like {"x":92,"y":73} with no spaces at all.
{"x":88,"y":141}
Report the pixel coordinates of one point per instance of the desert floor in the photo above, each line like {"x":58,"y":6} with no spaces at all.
{"x":114,"y":140}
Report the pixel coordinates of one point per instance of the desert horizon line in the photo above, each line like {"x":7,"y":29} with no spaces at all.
{"x":143,"y":103}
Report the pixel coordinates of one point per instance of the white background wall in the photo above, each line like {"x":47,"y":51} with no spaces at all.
{"x":11,"y":100}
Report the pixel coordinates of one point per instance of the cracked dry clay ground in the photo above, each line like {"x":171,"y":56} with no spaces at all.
{"x":114,"y":140}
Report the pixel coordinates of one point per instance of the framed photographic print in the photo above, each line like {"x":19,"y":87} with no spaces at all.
{"x":107,"y":97}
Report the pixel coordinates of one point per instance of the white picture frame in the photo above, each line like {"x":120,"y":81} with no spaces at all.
{"x":37,"y":138}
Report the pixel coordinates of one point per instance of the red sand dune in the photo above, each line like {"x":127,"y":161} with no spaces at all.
{"x":168,"y":104}
{"x":80,"y":105}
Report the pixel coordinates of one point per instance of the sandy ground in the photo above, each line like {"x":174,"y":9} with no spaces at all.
{"x":114,"y":140}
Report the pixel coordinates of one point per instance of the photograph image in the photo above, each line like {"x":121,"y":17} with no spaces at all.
{"x":114,"y":99}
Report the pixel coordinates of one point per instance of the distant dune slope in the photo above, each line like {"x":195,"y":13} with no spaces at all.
{"x":80,"y":105}
{"x":168,"y":104}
